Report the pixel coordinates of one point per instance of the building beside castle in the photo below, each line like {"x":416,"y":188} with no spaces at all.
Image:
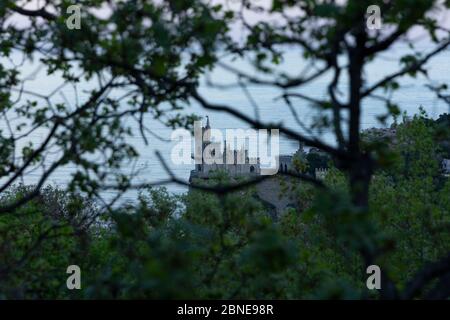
{"x":446,"y":167}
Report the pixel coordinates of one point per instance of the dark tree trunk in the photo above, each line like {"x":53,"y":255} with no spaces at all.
{"x":360,"y":175}
{"x":360,"y":166}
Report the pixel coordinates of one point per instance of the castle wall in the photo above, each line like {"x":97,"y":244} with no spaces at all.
{"x":272,"y":192}
{"x":233,"y":170}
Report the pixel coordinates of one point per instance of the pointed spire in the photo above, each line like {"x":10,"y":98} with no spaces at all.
{"x":207,"y":131}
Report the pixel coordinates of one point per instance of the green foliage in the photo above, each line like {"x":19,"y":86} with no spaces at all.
{"x":201,"y":245}
{"x":317,"y":160}
{"x":40,"y":240}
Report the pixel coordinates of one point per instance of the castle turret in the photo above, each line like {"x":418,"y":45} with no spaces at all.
{"x":206,"y":133}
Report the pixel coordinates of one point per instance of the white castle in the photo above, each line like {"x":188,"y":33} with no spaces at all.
{"x":242,"y":164}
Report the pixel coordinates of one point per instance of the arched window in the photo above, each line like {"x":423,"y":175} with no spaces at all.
{"x":285,"y":168}
{"x":252,"y":169}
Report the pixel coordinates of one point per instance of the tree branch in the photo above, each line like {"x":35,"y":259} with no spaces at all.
{"x":413,"y":67}
{"x":259,"y":125}
{"x":428,"y":273}
{"x":34,"y":13}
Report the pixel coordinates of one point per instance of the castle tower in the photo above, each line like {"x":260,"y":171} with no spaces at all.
{"x":206,"y":134}
{"x":206,"y":131}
